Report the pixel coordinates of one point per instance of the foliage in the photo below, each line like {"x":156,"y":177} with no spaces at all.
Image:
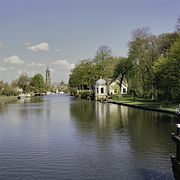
{"x":83,"y":75}
{"x":85,"y":94}
{"x":167,"y":73}
{"x":103,"y":53}
{"x":143,"y":51}
{"x":122,"y":69}
{"x":87,"y":72}
{"x":23,"y":82}
{"x":8,"y":90}
{"x":165,"y":41}
{"x":37,"y":84}
{"x":152,"y":67}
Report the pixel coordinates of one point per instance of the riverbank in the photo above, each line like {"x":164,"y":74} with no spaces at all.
{"x":161,"y":106}
{"x":4,"y":99}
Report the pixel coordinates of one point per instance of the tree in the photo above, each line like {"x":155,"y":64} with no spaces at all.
{"x":122,"y":69}
{"x":37,"y":84}
{"x":143,"y":51}
{"x":14,"y":83}
{"x":165,"y":41}
{"x":178,"y":24}
{"x":87,"y":72}
{"x":7,"y":90}
{"x":103,"y":60}
{"x":23,"y":82}
{"x":160,"y":72}
{"x":167,"y":73}
{"x":83,"y":75}
{"x":174,"y":69}
{"x":103,"y":53}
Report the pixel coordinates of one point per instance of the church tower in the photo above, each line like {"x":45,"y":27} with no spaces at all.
{"x":48,"y":77}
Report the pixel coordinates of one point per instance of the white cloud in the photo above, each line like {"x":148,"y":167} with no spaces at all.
{"x":13,"y":60}
{"x":1,"y":45}
{"x":44,"y":46}
{"x":64,"y":63}
{"x":2,"y":69}
{"x":35,"y":65}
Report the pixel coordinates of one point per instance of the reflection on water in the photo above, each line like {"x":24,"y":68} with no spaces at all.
{"x":59,"y":137}
{"x":146,"y":134}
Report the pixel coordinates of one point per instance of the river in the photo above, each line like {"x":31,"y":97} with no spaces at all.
{"x":59,"y":137}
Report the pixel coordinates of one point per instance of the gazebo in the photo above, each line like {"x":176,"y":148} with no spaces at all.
{"x":101,"y":91}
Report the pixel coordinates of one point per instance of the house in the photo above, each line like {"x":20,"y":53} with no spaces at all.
{"x":103,"y":88}
{"x":113,"y":87}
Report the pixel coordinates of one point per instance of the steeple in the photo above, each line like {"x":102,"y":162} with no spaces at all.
{"x":48,"y":77}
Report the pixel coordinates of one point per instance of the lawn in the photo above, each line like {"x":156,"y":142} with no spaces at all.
{"x":148,"y":103}
{"x":4,"y":99}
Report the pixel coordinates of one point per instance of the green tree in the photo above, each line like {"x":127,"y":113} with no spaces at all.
{"x":23,"y":82}
{"x":105,"y":69}
{"x":83,"y":75}
{"x":165,"y":41}
{"x":174,"y":69}
{"x":167,"y":73}
{"x":122,"y":69}
{"x":102,"y":58}
{"x":160,"y":72}
{"x":143,"y":51}
{"x":37,"y":83}
{"x":7,"y":90}
{"x":87,"y":72}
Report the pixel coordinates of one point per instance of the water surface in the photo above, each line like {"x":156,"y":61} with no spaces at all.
{"x":59,"y":137}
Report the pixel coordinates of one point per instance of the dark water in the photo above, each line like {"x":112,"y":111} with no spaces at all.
{"x":58,"y":137}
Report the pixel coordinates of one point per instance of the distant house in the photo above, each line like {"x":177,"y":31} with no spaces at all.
{"x":103,"y":88}
{"x":124,"y":87}
{"x":113,"y":87}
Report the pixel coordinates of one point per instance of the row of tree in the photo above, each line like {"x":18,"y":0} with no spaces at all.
{"x":25,"y":84}
{"x":152,"y":68}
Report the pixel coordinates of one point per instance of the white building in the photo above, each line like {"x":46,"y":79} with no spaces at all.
{"x":124,"y":87}
{"x":101,"y":91}
{"x":113,"y":87}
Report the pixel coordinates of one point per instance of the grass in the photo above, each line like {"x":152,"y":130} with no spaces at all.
{"x":4,"y":99}
{"x":147,"y":103}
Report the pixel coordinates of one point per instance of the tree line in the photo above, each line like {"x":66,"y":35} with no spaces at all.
{"x":25,"y":84}
{"x":152,"y":68}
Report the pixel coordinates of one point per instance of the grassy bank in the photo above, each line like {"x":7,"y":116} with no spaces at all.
{"x":169,"y":106}
{"x":4,"y":99}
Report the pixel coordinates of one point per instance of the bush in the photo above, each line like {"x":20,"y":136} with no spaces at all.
{"x":85,"y":94}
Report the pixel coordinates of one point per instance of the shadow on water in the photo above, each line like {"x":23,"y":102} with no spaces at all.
{"x":154,"y":175}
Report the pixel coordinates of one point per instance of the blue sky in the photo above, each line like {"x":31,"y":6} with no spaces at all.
{"x":35,"y":34}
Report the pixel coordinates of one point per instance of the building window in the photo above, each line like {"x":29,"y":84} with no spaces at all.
{"x":97,"y":90}
{"x":124,"y":90}
{"x":102,"y":90}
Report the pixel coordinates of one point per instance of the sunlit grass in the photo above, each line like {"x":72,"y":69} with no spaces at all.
{"x":4,"y":99}
{"x":147,"y":103}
